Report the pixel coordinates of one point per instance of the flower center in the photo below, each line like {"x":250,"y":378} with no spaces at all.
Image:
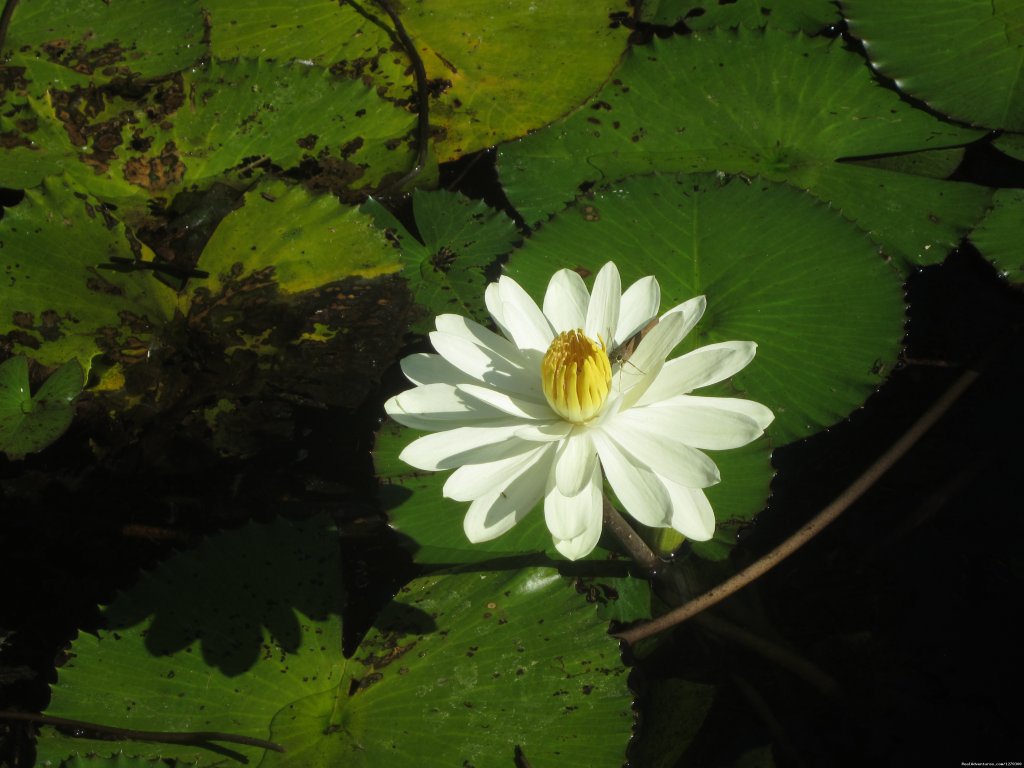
{"x":576,"y":376}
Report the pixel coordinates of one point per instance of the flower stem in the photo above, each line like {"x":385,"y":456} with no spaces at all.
{"x":636,"y":547}
{"x":828,"y":515}
{"x":674,"y":581}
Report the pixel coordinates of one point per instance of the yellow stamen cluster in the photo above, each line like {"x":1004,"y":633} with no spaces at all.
{"x":576,"y":376}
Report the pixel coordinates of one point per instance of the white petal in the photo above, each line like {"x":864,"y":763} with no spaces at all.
{"x":492,"y":299}
{"x":566,"y":300}
{"x":640,"y":491}
{"x":463,"y":445}
{"x":527,"y":325}
{"x":519,"y":407}
{"x":655,"y":445}
{"x":692,"y":515}
{"x":582,"y":545}
{"x":696,"y":421}
{"x":691,"y":311}
{"x":574,"y":464}
{"x":751,"y":409}
{"x":639,"y":305}
{"x":569,"y":517}
{"x":471,"y":481}
{"x":702,"y":366}
{"x":492,"y":515}
{"x":424,"y":368}
{"x":485,"y":365}
{"x":603,"y":310}
{"x":438,"y":406}
{"x":761,"y":414}
{"x":471,"y":330}
{"x":548,"y":432}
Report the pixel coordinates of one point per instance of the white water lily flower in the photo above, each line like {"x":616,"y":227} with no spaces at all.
{"x":548,"y":410}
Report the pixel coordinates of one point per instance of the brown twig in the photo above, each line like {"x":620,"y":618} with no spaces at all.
{"x":812,"y":528}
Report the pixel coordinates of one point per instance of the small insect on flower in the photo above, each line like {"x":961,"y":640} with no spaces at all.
{"x":543,"y":411}
{"x":621,"y":354}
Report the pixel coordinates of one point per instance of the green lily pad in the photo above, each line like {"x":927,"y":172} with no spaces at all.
{"x":300,"y":239}
{"x":29,"y":423}
{"x":776,"y":266}
{"x":809,"y":16}
{"x":768,"y":103}
{"x":497,"y":71}
{"x":1012,"y":144}
{"x":999,"y":235}
{"x":243,"y":635}
{"x":59,"y":301}
{"x":140,"y":39}
{"x":130,"y":141}
{"x":924,"y":54}
{"x":458,"y":240}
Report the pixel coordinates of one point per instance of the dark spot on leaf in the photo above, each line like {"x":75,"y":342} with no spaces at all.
{"x":308,"y":141}
{"x":24,"y":319}
{"x":155,"y":173}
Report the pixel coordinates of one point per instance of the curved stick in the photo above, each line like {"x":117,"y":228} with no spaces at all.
{"x":820,"y":521}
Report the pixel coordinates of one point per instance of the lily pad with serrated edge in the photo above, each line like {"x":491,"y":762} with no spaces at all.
{"x":458,"y":240}
{"x":497,"y":71}
{"x":59,"y":300}
{"x":924,"y":53}
{"x":777,"y":267}
{"x":1000,"y":236}
{"x":783,"y":106}
{"x":243,"y":635}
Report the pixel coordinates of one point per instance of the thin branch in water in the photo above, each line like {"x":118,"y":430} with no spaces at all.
{"x":196,"y":738}
{"x":822,"y":520}
{"x":780,"y":655}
